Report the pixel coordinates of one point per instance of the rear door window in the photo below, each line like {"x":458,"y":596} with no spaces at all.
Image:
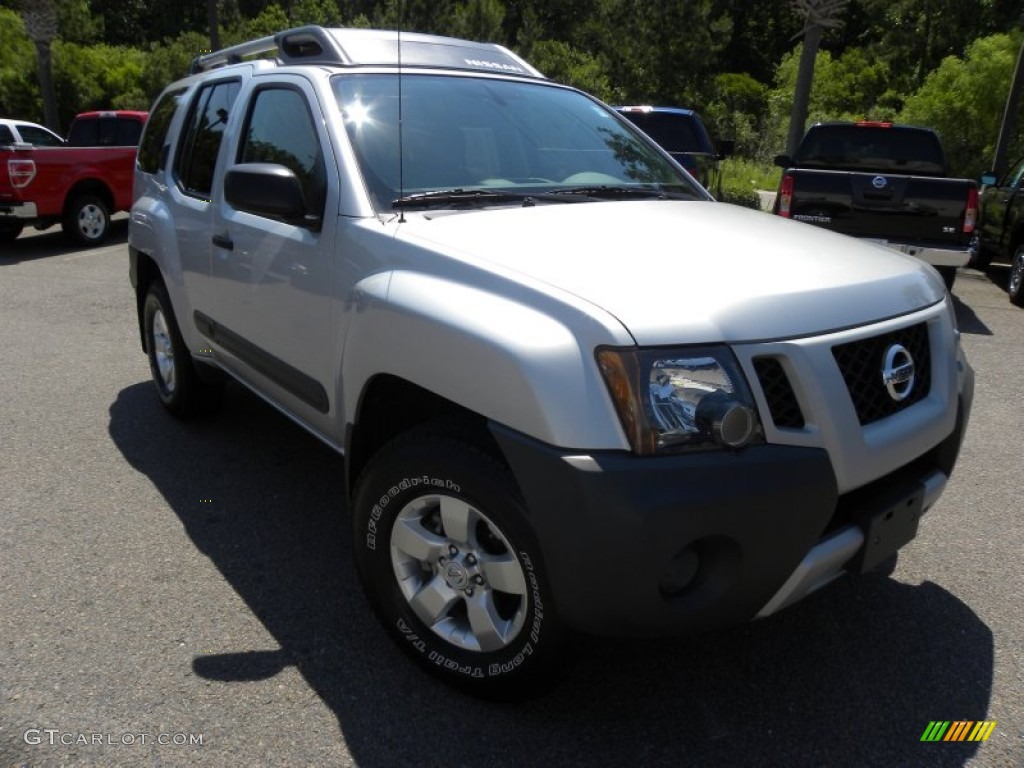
{"x":39,"y":136}
{"x":202,"y":135}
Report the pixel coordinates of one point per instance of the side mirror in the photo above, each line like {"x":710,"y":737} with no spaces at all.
{"x":783,"y":161}
{"x":725,"y":147}
{"x":988,"y":179}
{"x":271,"y":190}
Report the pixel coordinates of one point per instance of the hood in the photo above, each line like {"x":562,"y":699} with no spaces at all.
{"x":677,"y":272}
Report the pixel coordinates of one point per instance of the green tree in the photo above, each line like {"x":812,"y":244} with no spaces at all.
{"x":849,"y":87}
{"x":478,"y":20}
{"x":168,"y":61}
{"x":915,"y":36}
{"x":98,"y":77}
{"x":322,"y":12}
{"x":660,"y":53}
{"x":560,"y":61}
{"x":736,"y":111}
{"x":76,"y":23}
{"x":19,"y":90}
{"x":963,"y":99}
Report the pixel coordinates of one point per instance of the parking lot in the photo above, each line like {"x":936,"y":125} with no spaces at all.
{"x":183,"y":594}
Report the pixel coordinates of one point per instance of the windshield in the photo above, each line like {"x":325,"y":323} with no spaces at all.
{"x":513,"y":138}
{"x":861,"y":148}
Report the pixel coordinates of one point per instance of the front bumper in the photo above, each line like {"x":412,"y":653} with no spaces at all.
{"x":688,"y":543}
{"x":937,"y":256}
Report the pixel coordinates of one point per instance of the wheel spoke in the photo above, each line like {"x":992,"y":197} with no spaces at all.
{"x":457,"y":517}
{"x":433,"y":601}
{"x":412,"y":539}
{"x":488,"y":627}
{"x":504,"y":573}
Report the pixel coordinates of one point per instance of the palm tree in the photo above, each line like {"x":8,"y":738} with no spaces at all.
{"x":818,"y":15}
{"x":40,"y":18}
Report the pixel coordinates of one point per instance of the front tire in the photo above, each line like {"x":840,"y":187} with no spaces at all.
{"x":178,"y":384}
{"x":451,"y":567}
{"x":1015,"y":288}
{"x":87,"y":220}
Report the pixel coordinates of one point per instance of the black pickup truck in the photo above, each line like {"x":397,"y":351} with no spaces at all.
{"x":882,"y":182}
{"x":1001,"y":227}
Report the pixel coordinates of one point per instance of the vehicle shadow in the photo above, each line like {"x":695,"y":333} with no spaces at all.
{"x":999,"y":275}
{"x":32,"y":245}
{"x":967,"y":319}
{"x":851,"y":676}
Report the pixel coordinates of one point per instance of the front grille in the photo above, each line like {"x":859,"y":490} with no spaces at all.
{"x":861,"y":363}
{"x":778,"y":392}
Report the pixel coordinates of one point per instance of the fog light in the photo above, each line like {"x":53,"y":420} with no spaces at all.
{"x":680,"y":572}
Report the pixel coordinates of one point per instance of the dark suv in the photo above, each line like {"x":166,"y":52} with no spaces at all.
{"x":682,"y":134}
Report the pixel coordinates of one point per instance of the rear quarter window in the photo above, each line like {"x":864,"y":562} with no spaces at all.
{"x":154,"y":136}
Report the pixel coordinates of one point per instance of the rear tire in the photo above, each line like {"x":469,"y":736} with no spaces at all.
{"x":451,"y":567}
{"x":1015,"y":288}
{"x":87,"y":220}
{"x":178,"y":384}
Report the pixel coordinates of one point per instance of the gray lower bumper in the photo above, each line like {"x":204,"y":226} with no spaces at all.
{"x":826,"y":561}
{"x":26,"y":211}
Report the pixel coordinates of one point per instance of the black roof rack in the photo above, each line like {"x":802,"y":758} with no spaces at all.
{"x":365,"y":47}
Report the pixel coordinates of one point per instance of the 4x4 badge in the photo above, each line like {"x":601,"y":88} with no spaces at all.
{"x":898,"y":372}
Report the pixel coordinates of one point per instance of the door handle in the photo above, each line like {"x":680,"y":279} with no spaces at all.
{"x":222,"y":241}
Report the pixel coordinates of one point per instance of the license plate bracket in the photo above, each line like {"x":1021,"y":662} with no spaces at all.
{"x":889,"y":522}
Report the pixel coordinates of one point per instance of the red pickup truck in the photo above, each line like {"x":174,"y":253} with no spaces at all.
{"x":79,"y":185}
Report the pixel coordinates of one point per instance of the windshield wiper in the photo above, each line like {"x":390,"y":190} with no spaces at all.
{"x":607,"y":192}
{"x":463,"y":197}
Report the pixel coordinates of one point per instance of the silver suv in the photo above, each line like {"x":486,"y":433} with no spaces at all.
{"x":571,"y":391}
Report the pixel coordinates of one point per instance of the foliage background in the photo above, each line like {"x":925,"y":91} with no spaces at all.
{"x":946,"y":64}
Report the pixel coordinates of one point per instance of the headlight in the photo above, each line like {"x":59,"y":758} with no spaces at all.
{"x":680,"y":399}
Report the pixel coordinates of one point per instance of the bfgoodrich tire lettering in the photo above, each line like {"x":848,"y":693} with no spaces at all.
{"x":451,"y":568}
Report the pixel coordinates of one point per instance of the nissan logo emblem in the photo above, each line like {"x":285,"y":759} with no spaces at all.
{"x":898,"y":372}
{"x":878,"y":182}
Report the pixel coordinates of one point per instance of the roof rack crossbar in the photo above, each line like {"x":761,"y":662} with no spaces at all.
{"x":348,"y":47}
{"x":233,"y":54}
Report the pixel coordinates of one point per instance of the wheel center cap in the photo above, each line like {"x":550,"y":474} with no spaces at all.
{"x":455,"y":574}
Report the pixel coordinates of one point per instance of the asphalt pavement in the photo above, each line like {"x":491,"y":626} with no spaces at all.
{"x":183,"y":594}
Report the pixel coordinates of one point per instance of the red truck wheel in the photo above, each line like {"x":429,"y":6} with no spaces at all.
{"x":87,"y":220}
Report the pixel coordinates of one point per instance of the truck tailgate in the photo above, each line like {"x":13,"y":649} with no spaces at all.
{"x":883,"y":206}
